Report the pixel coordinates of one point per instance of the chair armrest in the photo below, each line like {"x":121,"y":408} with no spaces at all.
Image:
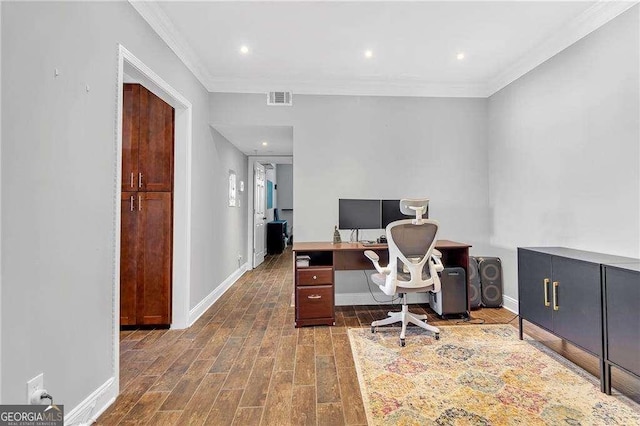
{"x":374,"y":258}
{"x":372,"y":255}
{"x":437,"y":253}
{"x":437,"y":263}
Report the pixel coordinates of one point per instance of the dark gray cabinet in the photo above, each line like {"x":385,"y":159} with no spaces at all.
{"x":622,"y":318}
{"x":561,"y":295}
{"x":561,"y":290}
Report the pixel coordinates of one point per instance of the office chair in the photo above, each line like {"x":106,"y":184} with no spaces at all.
{"x":413,"y":264}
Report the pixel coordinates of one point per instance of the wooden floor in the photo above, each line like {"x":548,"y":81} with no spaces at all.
{"x":244,"y":363}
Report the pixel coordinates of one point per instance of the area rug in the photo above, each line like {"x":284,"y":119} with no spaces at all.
{"x":477,"y":375}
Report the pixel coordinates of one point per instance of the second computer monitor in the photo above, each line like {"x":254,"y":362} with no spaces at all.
{"x":391,"y":212}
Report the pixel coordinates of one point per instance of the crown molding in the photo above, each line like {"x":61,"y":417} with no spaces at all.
{"x":352,"y":87}
{"x":161,"y":24}
{"x":582,"y":25}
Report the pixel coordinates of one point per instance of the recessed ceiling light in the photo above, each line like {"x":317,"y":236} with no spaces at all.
{"x":264,"y":144}
{"x":244,"y":50}
{"x":368,"y":53}
{"x":460,"y":56}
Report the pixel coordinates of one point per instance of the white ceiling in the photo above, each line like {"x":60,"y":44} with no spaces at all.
{"x":318,"y":47}
{"x":248,"y":139}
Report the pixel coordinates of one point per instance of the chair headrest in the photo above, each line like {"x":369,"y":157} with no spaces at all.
{"x":414,"y":206}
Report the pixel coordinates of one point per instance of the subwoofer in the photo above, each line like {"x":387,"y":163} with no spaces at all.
{"x":475,"y":295}
{"x":490,"y":271}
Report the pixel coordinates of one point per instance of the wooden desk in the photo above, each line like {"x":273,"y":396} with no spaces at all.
{"x":314,"y":285}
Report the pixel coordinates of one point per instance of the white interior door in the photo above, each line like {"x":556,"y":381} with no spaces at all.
{"x":259,"y":214}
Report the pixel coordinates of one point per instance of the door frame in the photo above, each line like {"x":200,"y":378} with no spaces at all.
{"x":181,"y":271}
{"x":251,"y":160}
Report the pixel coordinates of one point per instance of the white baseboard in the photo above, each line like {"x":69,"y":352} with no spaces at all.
{"x":87,"y":412}
{"x":206,"y":303}
{"x":510,"y":304}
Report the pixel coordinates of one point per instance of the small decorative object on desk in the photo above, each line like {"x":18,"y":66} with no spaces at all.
{"x":302,"y":261}
{"x":336,"y":236}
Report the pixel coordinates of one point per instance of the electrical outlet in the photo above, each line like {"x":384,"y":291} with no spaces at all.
{"x":33,"y":385}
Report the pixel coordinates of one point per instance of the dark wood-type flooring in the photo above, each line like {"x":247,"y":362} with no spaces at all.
{"x":244,"y":363}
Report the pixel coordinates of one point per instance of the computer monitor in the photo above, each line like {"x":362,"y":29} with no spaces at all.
{"x":359,"y":214}
{"x":391,"y":212}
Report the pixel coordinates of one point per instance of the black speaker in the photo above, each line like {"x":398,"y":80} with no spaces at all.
{"x":490,"y":271}
{"x":475,"y":295}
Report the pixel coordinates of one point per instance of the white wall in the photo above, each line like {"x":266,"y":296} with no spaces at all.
{"x":58,"y":189}
{"x":381,"y":148}
{"x":378,"y":147}
{"x":564,"y":150}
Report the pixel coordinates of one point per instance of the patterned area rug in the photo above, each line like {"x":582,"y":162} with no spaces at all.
{"x":477,"y":375}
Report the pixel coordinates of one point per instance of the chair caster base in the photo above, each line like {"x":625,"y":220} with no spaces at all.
{"x":402,"y":342}
{"x":437,"y":336}
{"x":373,"y":329}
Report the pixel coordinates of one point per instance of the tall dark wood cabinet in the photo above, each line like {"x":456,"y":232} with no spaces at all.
{"x":147,"y":208}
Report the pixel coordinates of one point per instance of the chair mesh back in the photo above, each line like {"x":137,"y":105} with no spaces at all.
{"x":414,"y":240}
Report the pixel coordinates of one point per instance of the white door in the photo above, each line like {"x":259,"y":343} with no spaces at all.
{"x":259,"y":216}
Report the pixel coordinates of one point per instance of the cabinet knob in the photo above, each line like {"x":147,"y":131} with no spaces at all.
{"x":315,"y":277}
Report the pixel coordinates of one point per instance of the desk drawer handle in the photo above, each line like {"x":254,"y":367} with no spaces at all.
{"x":314,"y":296}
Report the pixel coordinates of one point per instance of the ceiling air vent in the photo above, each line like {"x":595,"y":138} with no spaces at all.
{"x":280,"y":98}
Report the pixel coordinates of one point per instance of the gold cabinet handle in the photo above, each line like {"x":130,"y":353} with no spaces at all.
{"x":314,"y":296}
{"x":132,"y":179}
{"x":555,"y":295}
{"x":139,"y":180}
{"x":546,"y":292}
{"x":131,"y":206}
{"x":139,"y":203}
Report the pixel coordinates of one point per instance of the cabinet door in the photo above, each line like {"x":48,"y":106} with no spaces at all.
{"x":579,"y":302}
{"x":623,"y":318}
{"x":128,"y":259}
{"x":130,"y":136}
{"x":156,"y":143}
{"x":534,"y":274}
{"x":154,"y":268}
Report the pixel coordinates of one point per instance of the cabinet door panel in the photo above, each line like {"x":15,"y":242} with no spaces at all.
{"x":130,"y":136}
{"x":128,"y":259}
{"x":579,"y":314}
{"x":154,"y":270}
{"x":156,"y":143}
{"x":623,"y":318}
{"x":533,"y":269}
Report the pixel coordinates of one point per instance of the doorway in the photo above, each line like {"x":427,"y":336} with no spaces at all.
{"x":130,"y":65}
{"x":272,"y":195}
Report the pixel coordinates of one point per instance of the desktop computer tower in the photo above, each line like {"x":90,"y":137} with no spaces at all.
{"x":452,"y":298}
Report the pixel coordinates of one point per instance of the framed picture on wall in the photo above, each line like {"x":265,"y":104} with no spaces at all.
{"x":233,"y":192}
{"x":269,"y":194}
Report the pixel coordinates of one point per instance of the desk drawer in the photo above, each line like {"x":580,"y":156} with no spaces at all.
{"x":314,"y":302}
{"x":315,"y":276}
